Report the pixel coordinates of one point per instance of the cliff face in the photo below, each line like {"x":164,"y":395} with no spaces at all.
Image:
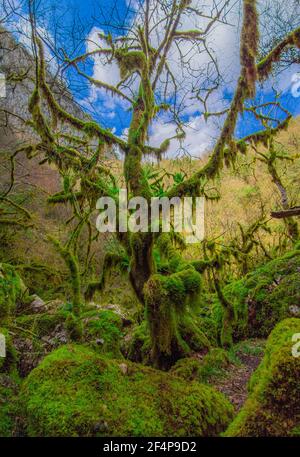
{"x":18,"y":67}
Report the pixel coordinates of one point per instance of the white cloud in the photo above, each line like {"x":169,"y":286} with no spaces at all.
{"x":102,"y":70}
{"x":222,"y":43}
{"x":200,"y":136}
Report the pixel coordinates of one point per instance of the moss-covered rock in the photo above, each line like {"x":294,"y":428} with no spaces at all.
{"x":103,"y":330}
{"x":273,"y":407}
{"x":9,"y":381}
{"x":263,"y":298}
{"x":8,"y":389}
{"x":211,"y":366}
{"x":12,"y":290}
{"x":77,"y":392}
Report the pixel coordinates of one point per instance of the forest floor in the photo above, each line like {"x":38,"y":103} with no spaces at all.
{"x":234,"y":383}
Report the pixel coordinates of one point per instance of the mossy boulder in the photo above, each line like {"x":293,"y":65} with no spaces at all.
{"x":77,"y":392}
{"x":263,"y":298}
{"x":103,"y":331}
{"x":210,"y":367}
{"x":9,"y":381}
{"x":12,"y":290}
{"x":8,"y":390}
{"x":273,"y":406}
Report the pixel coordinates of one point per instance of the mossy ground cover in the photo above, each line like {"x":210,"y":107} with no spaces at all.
{"x":263,"y":298}
{"x":103,"y":330}
{"x":92,"y":389}
{"x":74,"y":391}
{"x":12,"y":290}
{"x":210,"y":367}
{"x":9,"y":384}
{"x":273,"y":406}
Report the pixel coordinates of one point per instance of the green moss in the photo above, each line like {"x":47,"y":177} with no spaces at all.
{"x":71,"y":261}
{"x":175,"y":287}
{"x":103,"y":329}
{"x":9,"y":381}
{"x":139,"y":349}
{"x":263,"y":297}
{"x":12,"y":290}
{"x":167,"y":299}
{"x":196,"y":335}
{"x":248,"y":347}
{"x":296,"y":431}
{"x":187,"y":368}
{"x":43,"y":280}
{"x":8,"y":390}
{"x":273,"y":407}
{"x":130,"y":61}
{"x":74,"y":327}
{"x":76,"y":392}
{"x":41,"y":324}
{"x":210,"y":367}
{"x":192,"y":333}
{"x":100,"y":329}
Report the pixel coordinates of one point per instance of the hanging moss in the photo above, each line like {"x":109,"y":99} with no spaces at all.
{"x":166,"y":298}
{"x":266,"y":64}
{"x":249,"y":45}
{"x":296,"y":38}
{"x":58,"y":113}
{"x":73,"y":268}
{"x":130,"y":62}
{"x":64,"y":197}
{"x":111,"y":260}
{"x":139,"y":347}
{"x":12,"y":290}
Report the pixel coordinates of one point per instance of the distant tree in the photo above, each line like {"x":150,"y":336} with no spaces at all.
{"x":271,"y":157}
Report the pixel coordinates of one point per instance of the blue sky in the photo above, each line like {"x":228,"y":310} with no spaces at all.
{"x":57,"y":19}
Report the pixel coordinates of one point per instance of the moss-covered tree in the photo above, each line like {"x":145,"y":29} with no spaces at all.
{"x":143,"y":55}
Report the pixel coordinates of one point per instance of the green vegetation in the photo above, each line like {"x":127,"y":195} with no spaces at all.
{"x":211,"y":366}
{"x":103,"y":331}
{"x":134,"y":327}
{"x":264,"y":297}
{"x":76,"y":392}
{"x":273,"y":408}
{"x":9,"y":383}
{"x":12,"y":290}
